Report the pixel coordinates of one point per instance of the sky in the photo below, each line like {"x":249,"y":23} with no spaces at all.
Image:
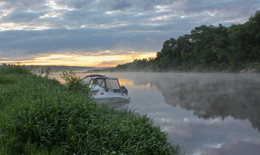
{"x":105,"y":33}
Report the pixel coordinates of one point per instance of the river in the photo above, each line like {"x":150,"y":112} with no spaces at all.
{"x":203,"y":113}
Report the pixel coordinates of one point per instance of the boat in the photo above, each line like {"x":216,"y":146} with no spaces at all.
{"x":106,"y":89}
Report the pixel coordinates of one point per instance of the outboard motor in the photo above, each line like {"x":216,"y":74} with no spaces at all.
{"x":124,"y":90}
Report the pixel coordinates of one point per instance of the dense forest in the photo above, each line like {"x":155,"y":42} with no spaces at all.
{"x":207,"y":48}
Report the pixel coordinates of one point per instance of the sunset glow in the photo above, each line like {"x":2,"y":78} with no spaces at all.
{"x":85,"y":60}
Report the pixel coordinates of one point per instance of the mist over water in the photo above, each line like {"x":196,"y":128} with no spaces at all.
{"x":205,"y":113}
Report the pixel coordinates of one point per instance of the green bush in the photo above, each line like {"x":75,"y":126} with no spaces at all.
{"x":74,"y":82}
{"x":41,"y":116}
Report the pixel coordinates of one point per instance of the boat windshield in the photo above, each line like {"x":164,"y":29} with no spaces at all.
{"x":112,"y":84}
{"x":99,"y":81}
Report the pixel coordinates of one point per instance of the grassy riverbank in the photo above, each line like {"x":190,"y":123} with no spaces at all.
{"x":41,"y":116}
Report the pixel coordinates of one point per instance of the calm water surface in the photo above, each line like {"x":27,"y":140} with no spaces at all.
{"x":204,"y":113}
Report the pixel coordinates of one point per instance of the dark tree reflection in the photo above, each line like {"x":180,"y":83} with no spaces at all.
{"x":212,"y":95}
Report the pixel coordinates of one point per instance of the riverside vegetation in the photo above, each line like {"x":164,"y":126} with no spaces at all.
{"x":42,"y":116}
{"x":207,"y":48}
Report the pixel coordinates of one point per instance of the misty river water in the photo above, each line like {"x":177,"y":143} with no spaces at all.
{"x":203,"y":113}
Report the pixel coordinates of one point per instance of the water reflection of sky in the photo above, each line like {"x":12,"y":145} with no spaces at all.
{"x":195,"y":135}
{"x":215,"y":116}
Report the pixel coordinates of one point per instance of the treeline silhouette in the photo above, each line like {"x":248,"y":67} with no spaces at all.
{"x":207,"y":48}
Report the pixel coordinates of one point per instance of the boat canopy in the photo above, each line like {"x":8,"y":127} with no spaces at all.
{"x":94,"y":76}
{"x":107,"y":83}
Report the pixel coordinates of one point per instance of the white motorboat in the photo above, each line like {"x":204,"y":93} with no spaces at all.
{"x":106,"y":89}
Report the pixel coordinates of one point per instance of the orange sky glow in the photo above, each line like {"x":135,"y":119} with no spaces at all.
{"x":105,"y":59}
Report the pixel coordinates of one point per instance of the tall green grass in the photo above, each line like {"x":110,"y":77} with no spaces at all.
{"x":14,"y":69}
{"x":6,"y":79}
{"x":41,"y":116}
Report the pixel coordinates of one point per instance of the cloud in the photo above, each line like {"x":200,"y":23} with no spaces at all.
{"x":120,"y":4}
{"x":20,"y":43}
{"x":21,"y":16}
{"x":238,"y":148}
{"x":29,"y":27}
{"x":80,"y":4}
